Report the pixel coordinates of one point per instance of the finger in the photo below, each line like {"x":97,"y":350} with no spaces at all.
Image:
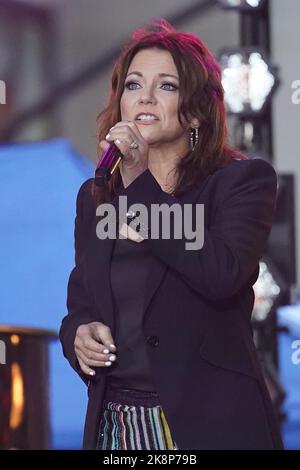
{"x":131,"y":127}
{"x":123,"y":137}
{"x":102,"y":333}
{"x":91,"y":362}
{"x":120,"y":137}
{"x":123,"y":132}
{"x":85,"y":369}
{"x":122,"y":145}
{"x":103,"y":144}
{"x":91,"y":355}
{"x":93,"y":345}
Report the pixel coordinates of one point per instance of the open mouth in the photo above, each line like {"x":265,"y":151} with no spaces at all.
{"x":146,"y":117}
{"x":152,"y":121}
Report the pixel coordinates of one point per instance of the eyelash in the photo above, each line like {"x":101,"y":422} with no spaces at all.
{"x":165,"y":83}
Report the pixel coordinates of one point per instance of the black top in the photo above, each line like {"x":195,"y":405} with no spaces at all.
{"x":129,"y":269}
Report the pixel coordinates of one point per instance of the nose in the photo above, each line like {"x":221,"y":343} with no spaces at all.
{"x":146,"y":95}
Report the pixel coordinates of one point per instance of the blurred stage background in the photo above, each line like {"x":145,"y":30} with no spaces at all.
{"x":56,"y":58}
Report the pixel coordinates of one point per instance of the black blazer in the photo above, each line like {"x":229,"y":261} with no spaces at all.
{"x":197,"y":309}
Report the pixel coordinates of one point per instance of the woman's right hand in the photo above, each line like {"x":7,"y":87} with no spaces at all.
{"x":94,"y":346}
{"x":134,"y":161}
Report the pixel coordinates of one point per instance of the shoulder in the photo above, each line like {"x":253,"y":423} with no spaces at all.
{"x":84,"y":200}
{"x":84,"y":193}
{"x":85,"y":188}
{"x":253,"y":172}
{"x":248,"y":165}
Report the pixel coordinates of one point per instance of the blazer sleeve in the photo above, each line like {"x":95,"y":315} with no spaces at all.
{"x":79,"y":306}
{"x":236,"y":238}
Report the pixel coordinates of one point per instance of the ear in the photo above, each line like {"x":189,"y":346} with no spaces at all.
{"x":194,"y":122}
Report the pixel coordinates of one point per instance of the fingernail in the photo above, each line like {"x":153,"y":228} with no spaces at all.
{"x":106,"y":351}
{"x":108,"y":363}
{"x":92,"y":372}
{"x":112,"y":346}
{"x":117,"y":141}
{"x":107,"y":136}
{"x":112,"y":358}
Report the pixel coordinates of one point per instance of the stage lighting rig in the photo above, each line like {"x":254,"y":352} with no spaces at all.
{"x":242,"y":5}
{"x":248,"y":80}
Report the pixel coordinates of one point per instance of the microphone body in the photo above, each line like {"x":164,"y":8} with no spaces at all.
{"x":107,"y":165}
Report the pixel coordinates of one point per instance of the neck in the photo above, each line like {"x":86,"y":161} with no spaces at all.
{"x":163,"y":165}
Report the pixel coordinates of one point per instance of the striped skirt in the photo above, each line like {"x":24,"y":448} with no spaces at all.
{"x":133,"y":420}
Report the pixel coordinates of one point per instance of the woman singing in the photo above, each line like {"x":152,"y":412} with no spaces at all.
{"x":159,"y":327}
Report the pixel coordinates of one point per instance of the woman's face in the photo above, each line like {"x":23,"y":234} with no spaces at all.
{"x":152,"y":86}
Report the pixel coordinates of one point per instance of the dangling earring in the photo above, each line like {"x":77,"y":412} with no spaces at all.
{"x":194,"y":137}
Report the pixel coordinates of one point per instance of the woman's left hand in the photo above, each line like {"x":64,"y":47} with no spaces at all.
{"x":134,"y":161}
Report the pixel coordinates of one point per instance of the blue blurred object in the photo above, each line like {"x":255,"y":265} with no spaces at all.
{"x":39,"y":183}
{"x":289,"y":317}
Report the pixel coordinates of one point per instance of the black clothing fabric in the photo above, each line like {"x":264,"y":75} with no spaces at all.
{"x":197,"y":308}
{"x":129,"y":270}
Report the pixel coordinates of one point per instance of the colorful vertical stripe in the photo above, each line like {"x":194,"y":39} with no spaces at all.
{"x":131,"y":427}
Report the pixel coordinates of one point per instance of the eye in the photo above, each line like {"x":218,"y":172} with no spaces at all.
{"x":128,"y":85}
{"x":175,"y":87}
{"x":166,"y":84}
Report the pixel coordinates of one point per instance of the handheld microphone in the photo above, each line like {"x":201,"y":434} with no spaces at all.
{"x":107,"y":164}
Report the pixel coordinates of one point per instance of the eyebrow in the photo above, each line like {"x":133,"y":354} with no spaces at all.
{"x":160,"y":75}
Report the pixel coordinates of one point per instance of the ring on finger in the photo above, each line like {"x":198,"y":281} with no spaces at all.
{"x":133,"y":145}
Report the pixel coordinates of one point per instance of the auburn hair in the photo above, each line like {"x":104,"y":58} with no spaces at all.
{"x":201,"y":96}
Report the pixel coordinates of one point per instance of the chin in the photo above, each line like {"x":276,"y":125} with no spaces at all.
{"x":148,"y":134}
{"x":151,"y":140}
